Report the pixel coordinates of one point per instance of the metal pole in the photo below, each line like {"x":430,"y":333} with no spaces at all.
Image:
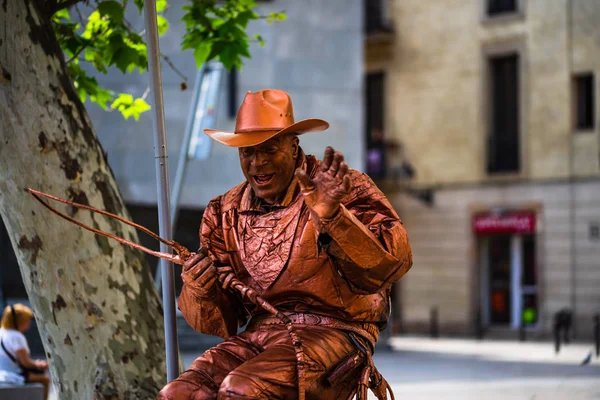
{"x":597,"y":334}
{"x":162,"y":178}
{"x":572,"y":192}
{"x":2,"y":299}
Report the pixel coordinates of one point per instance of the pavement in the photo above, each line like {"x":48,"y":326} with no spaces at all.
{"x":424,"y":369}
{"x":451,"y":369}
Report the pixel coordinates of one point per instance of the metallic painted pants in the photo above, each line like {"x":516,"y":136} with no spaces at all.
{"x":261,"y":364}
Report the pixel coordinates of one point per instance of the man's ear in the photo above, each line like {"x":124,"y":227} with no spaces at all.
{"x":295,"y":146}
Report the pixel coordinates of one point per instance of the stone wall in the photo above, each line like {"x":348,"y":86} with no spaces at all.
{"x":446,"y":265}
{"x":437,"y":92}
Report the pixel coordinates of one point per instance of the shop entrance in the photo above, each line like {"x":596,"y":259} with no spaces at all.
{"x":508,"y":269}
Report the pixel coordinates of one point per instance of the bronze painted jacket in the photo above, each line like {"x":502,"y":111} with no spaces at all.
{"x":341,"y":268}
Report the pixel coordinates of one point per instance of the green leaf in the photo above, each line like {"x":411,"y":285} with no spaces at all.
{"x":101,"y":97}
{"x":216,"y":23}
{"x":113,"y":10}
{"x":95,"y":26}
{"x":276,"y":17}
{"x":245,"y":16}
{"x":61,"y":14}
{"x":229,"y":57}
{"x":115,"y":42}
{"x":201,"y":52}
{"x":260,"y":40}
{"x":124,"y":57}
{"x":130,"y":107}
{"x":139,"y":106}
{"x":161,"y":5}
{"x":163,"y":24}
{"x":71,"y":45}
{"x":124,"y":100}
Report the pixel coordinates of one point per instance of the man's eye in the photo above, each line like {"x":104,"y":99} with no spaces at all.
{"x":272,"y":150}
{"x":247,"y":153}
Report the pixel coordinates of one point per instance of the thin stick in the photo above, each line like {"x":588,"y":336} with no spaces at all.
{"x":170,"y":257}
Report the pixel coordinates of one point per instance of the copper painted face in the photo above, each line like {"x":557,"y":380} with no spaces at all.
{"x":269,"y":167}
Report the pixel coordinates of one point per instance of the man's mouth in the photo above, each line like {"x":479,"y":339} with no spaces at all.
{"x":263,"y":179}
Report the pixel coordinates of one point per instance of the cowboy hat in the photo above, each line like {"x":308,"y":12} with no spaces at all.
{"x":263,"y":115}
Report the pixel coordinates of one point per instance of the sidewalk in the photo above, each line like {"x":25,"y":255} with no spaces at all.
{"x":424,"y":369}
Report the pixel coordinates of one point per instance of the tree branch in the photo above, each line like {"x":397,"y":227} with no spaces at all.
{"x":146,"y":92}
{"x":76,"y":54}
{"x":129,"y":28}
{"x":168,"y":61}
{"x":85,"y":45}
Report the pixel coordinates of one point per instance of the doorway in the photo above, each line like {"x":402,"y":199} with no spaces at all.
{"x":508,"y":275}
{"x":509,"y":290}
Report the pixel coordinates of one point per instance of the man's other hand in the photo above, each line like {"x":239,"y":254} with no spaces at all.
{"x":200,"y":273}
{"x":324,"y":193}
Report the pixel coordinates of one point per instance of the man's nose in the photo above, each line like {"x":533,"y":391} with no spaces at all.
{"x":260,"y":159}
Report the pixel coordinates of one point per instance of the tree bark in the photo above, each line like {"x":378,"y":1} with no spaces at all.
{"x":94,"y":300}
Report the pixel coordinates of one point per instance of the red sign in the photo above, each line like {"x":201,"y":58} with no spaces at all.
{"x":514,"y":222}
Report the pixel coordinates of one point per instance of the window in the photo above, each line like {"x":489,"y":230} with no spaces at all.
{"x":376,"y":157}
{"x":503,"y":147}
{"x":496,"y":7}
{"x":584,"y":101}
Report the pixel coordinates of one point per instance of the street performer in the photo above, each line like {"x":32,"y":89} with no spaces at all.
{"x":317,"y":240}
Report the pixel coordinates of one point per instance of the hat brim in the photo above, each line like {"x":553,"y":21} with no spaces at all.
{"x":247,"y":139}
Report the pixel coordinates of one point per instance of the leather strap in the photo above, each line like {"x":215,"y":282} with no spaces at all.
{"x":13,"y":358}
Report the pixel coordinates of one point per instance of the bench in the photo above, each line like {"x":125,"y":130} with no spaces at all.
{"x":30,"y":391}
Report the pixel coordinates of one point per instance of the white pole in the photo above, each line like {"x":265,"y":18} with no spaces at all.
{"x":516,"y":250}
{"x":162,"y":181}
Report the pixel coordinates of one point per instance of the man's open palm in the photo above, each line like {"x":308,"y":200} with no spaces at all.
{"x":324,"y":192}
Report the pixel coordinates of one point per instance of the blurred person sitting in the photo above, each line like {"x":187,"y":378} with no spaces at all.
{"x":16,"y":366}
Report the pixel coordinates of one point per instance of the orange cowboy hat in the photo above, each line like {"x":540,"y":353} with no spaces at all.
{"x":263,"y":115}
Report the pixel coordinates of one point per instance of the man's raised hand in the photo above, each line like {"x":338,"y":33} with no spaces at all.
{"x":324,"y":192}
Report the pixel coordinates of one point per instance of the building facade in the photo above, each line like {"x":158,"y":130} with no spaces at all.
{"x":489,"y":107}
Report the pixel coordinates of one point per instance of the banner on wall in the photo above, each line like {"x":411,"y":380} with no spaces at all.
{"x":505,"y":223}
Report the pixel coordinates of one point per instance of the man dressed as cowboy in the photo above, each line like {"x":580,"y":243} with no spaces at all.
{"x":317,"y":240}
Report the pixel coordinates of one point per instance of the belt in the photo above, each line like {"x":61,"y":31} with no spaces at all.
{"x":367,"y":330}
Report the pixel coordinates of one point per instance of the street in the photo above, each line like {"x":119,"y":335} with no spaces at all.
{"x":422,"y":368}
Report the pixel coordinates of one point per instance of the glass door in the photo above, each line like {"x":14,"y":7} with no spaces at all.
{"x":509,"y":280}
{"x":499,"y":280}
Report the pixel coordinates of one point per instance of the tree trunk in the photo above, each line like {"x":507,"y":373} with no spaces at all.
{"x":94,"y":301}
